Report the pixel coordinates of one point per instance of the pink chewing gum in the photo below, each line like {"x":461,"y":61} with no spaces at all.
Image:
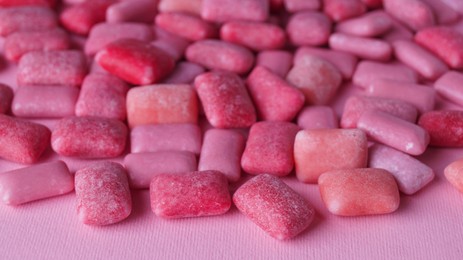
{"x":186,"y":6}
{"x":372,"y":3}
{"x":52,"y":68}
{"x":276,"y":61}
{"x":449,"y":86}
{"x":191,"y":194}
{"x":44,"y":101}
{"x":357,"y":192}
{"x":166,"y":137}
{"x":455,"y":4}
{"x":343,"y":61}
{"x":254,"y":35}
{"x":355,"y":106}
{"x":415,"y":14}
{"x":225,"y":100}
{"x":80,"y":18}
{"x":443,"y":13}
{"x":11,"y":3}
{"x":22,"y":141}
{"x":172,"y":44}
{"x":176,"y":23}
{"x":454,"y":174}
{"x":103,"y":34}
{"x":445,"y":127}
{"x":35,"y":182}
{"x":422,"y":97}
{"x":419,"y":59}
{"x":319,"y":33}
{"x":103,"y":194}
{"x":89,"y":137}
{"x":273,"y":206}
{"x":271,"y":94}
{"x":321,"y":150}
{"x":398,"y":32}
{"x":215,"y":54}
{"x":142,"y":167}
{"x":340,"y":10}
{"x":445,"y":42}
{"x":366,"y":48}
{"x":411,"y":174}
{"x":6,"y":96}
{"x":368,"y":71}
{"x":19,"y":43}
{"x":132,"y":11}
{"x":137,"y":62}
{"x":162,"y":104}
{"x":26,"y":18}
{"x":293,"y":6}
{"x":368,"y":25}
{"x":395,"y":132}
{"x":317,"y":117}
{"x":102,"y":95}
{"x":269,"y":148}
{"x":229,"y":10}
{"x":221,"y":151}
{"x":318,"y":79}
{"x":184,"y":73}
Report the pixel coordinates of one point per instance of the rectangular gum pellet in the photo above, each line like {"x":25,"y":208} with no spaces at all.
{"x":142,"y":167}
{"x":227,"y":10}
{"x":368,"y":25}
{"x":35,"y":182}
{"x":369,"y":71}
{"x":317,"y":117}
{"x":449,"y":86}
{"x":44,"y":101}
{"x":421,"y":17}
{"x":367,"y":48}
{"x":277,"y":61}
{"x":339,"y":10}
{"x":176,"y":23}
{"x":299,"y":21}
{"x":395,"y":132}
{"x":187,"y":6}
{"x":67,"y":67}
{"x":79,"y":18}
{"x":26,"y":18}
{"x":411,"y":174}
{"x":301,"y":5}
{"x":166,"y":137}
{"x":132,"y":11}
{"x":221,"y":150}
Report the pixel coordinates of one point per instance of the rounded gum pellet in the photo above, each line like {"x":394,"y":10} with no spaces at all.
{"x":132,"y":11}
{"x":340,"y":10}
{"x":449,"y":86}
{"x":176,"y":23}
{"x":368,"y":25}
{"x":297,"y":26}
{"x":454,"y":174}
{"x":254,"y":35}
{"x":317,"y":117}
{"x":367,"y":72}
{"x":186,"y":6}
{"x":229,"y":10}
{"x":276,"y":61}
{"x":81,"y":17}
{"x":294,"y":6}
{"x":367,"y":48}
{"x":26,"y":18}
{"x":415,"y":14}
{"x":444,"y":127}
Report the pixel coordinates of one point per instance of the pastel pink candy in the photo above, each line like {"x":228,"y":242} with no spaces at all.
{"x":228,"y":10}
{"x":104,"y":33}
{"x":368,"y":25}
{"x":26,"y":18}
{"x":22,"y":141}
{"x":343,"y":61}
{"x":454,"y":174}
{"x":455,"y":4}
{"x":301,"y":5}
{"x":44,"y":101}
{"x":19,"y":43}
{"x":318,"y":79}
{"x":276,"y":61}
{"x":142,"y":167}
{"x":411,"y":174}
{"x":355,"y":106}
{"x":35,"y":182}
{"x":254,"y":35}
{"x":176,"y":23}
{"x":271,"y":94}
{"x":269,"y":148}
{"x":273,"y":206}
{"x":443,"y":12}
{"x":215,"y":54}
{"x":340,"y":10}
{"x":184,"y":73}
{"x":366,"y":48}
{"x":449,"y":86}
{"x":6,"y":96}
{"x":225,"y":100}
{"x":132,"y":11}
{"x":81,"y":17}
{"x":357,"y":192}
{"x":422,"y":97}
{"x":369,"y":71}
{"x":221,"y":150}
{"x":67,"y":67}
{"x":170,"y":43}
{"x":419,"y":59}
{"x":102,"y":95}
{"x":187,"y":6}
{"x":320,"y":150}
{"x":166,"y":137}
{"x":415,"y":14}
{"x":103,"y":194}
{"x":297,"y":26}
{"x":398,"y":32}
{"x":191,"y":194}
{"x":317,"y":117}
{"x":395,"y":132}
{"x":89,"y":137}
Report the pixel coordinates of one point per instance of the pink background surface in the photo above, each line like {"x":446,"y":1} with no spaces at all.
{"x":428,"y":225}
